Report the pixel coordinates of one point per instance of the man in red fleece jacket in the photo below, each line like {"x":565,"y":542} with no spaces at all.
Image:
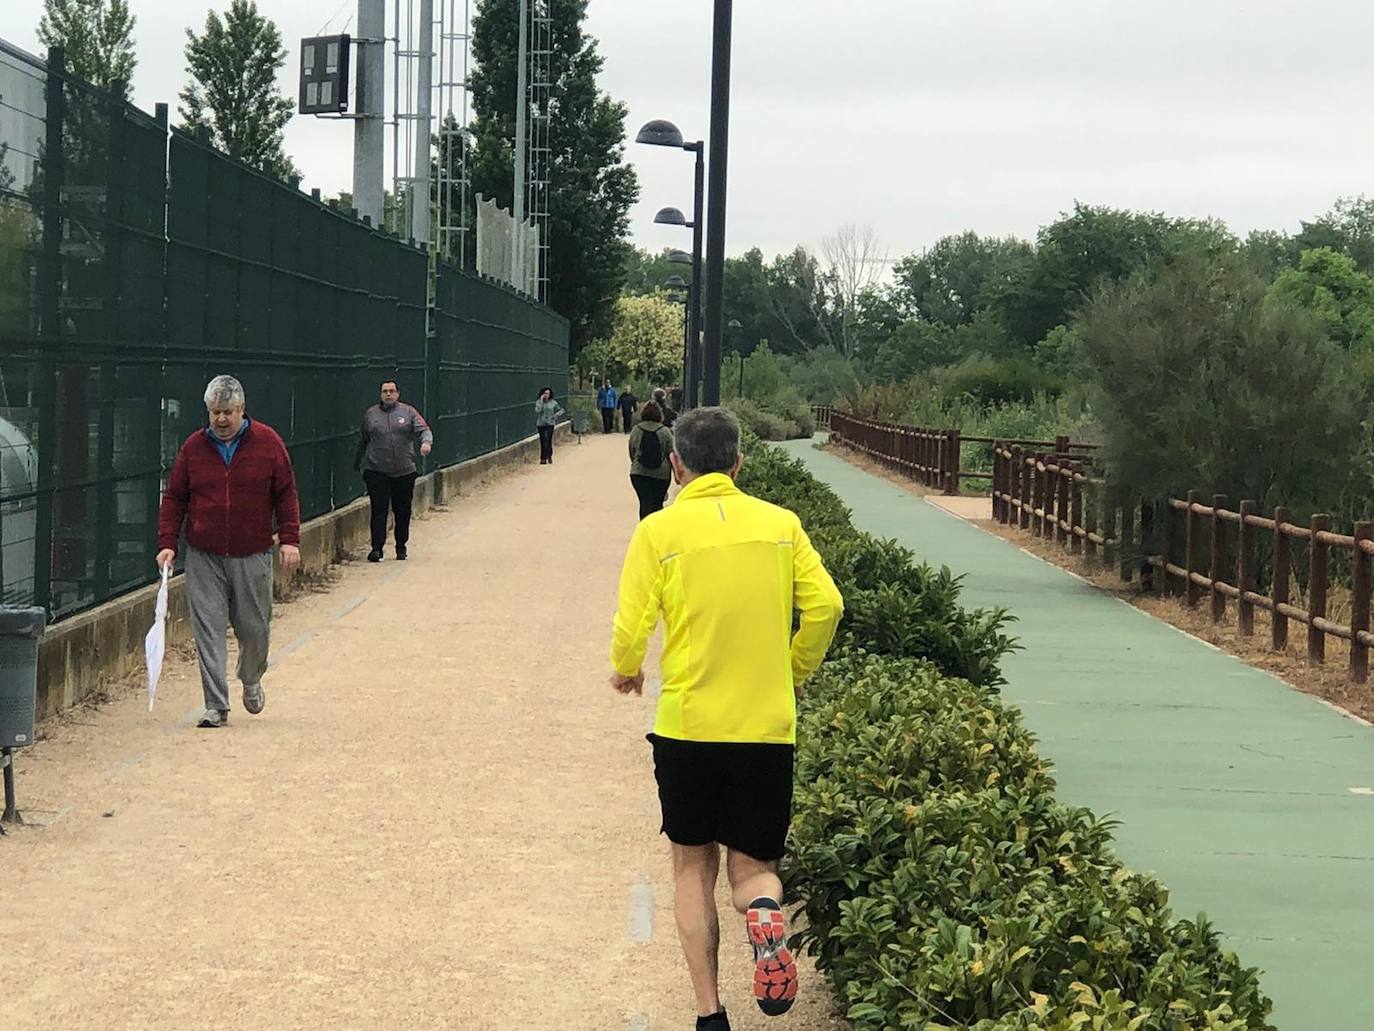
{"x":229,"y":481}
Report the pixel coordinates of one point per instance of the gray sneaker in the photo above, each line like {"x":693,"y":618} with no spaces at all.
{"x":212,"y":718}
{"x":254,"y":698}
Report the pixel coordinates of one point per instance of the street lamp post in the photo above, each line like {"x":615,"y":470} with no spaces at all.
{"x":676,"y":257}
{"x":715,"y":217}
{"x":660,"y":133}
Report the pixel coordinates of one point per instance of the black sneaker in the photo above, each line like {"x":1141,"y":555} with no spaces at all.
{"x":400,"y":553}
{"x":375,"y":555}
{"x":715,"y":1022}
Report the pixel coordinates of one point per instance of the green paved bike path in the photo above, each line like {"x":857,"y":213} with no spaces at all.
{"x":1233,"y":788}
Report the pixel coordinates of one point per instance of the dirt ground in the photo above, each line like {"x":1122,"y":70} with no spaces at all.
{"x":444,"y":818}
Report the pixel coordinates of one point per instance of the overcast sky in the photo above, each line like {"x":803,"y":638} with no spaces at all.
{"x":926,"y":117}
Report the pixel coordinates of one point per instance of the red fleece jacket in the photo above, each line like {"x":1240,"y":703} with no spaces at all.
{"x":228,"y":510}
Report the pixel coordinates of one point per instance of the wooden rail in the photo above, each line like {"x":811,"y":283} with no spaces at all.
{"x":1204,"y":550}
{"x":932,"y":456}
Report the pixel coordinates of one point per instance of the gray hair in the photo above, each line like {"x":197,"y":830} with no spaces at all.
{"x":707,"y":440}
{"x":660,"y":394}
{"x":224,"y":392}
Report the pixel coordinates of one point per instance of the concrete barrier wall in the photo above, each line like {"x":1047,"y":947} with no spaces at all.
{"x":78,"y":655}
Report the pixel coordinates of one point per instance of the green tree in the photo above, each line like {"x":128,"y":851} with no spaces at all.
{"x":1202,"y":384}
{"x":646,"y":272}
{"x":1348,"y":227}
{"x":96,"y":36}
{"x":956,"y":278}
{"x":645,"y":342}
{"x":1090,"y":247}
{"x":233,"y":90}
{"x":1329,"y":285}
{"x":1269,"y":252}
{"x":592,"y":186}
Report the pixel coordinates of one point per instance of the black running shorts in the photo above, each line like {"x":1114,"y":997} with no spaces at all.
{"x":739,"y":795}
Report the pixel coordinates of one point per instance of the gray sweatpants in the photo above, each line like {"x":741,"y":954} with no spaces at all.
{"x":223,"y":590}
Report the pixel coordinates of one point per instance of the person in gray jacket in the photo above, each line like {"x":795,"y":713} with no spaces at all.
{"x":386,"y":456}
{"x":547,"y":412}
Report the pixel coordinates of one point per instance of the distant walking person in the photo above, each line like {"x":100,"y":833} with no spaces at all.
{"x":230,"y":481}
{"x":725,"y":572}
{"x":661,"y":399}
{"x":607,"y":400}
{"x":628,"y":404}
{"x":386,"y":455}
{"x":547,"y":412}
{"x":651,"y":472}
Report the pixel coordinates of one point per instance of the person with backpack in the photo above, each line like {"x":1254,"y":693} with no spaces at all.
{"x":651,"y":443}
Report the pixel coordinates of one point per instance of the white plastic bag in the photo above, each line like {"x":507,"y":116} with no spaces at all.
{"x":155,"y":644}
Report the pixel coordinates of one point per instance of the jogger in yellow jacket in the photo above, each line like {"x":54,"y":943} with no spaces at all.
{"x":724,"y":572}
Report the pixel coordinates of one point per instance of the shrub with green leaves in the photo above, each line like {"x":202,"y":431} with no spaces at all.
{"x":943,"y":885}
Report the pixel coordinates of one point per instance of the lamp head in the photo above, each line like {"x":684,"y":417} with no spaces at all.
{"x":670,"y":217}
{"x":660,"y":133}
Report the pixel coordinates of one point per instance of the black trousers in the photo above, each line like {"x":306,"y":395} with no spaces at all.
{"x":652,"y":493}
{"x":607,"y":420}
{"x":395,"y":493}
{"x":545,"y":443}
{"x":627,"y":415}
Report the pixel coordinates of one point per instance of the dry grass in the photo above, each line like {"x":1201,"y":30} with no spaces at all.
{"x":1327,"y":681}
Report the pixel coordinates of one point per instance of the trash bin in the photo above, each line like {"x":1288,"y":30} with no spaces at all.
{"x":20,"y":629}
{"x":579,"y":423}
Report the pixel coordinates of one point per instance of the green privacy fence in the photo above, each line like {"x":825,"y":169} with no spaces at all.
{"x":136,"y":262}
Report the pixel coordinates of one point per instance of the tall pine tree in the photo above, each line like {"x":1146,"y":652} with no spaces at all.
{"x":592,"y":188}
{"x":233,"y":89}
{"x":96,"y":36}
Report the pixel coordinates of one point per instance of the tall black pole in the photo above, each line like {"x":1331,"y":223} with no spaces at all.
{"x":715,"y":216}
{"x":694,"y":301}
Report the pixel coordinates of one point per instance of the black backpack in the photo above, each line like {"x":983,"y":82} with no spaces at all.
{"x":650,"y":450}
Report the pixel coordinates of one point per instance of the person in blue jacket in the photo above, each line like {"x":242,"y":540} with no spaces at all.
{"x":608,"y":400}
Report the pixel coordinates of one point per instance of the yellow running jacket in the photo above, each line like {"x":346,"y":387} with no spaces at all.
{"x":725,"y":571}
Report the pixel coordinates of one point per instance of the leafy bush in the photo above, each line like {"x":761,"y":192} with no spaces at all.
{"x":943,"y":885}
{"x":990,"y":381}
{"x":764,"y":425}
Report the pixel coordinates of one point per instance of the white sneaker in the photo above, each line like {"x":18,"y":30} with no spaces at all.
{"x":254,"y":698}
{"x":212,"y":718}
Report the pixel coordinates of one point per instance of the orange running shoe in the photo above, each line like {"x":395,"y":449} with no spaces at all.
{"x":775,"y":970}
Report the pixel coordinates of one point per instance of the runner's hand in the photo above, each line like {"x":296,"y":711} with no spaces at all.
{"x":425,"y":449}
{"x":290,"y":558}
{"x":628,"y":685}
{"x":165,"y":557}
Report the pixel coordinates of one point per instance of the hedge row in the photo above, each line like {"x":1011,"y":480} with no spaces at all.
{"x":943,"y":885}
